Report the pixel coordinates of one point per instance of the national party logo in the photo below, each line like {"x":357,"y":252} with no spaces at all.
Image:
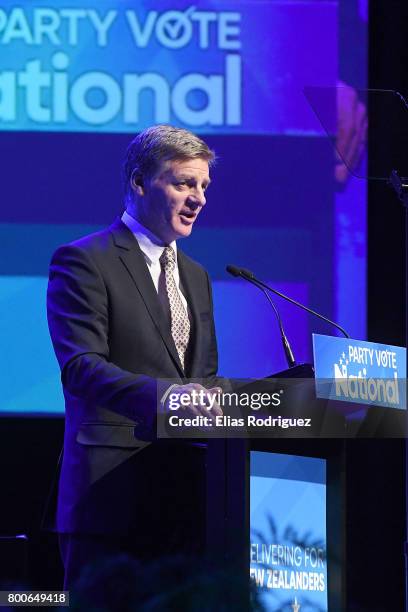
{"x":358,"y":371}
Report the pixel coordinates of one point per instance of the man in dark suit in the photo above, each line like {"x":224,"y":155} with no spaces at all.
{"x":125,"y":309}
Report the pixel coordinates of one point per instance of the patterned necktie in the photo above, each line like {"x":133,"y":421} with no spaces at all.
{"x":180,"y":324}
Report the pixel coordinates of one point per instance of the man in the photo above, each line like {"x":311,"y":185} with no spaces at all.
{"x":125,"y":308}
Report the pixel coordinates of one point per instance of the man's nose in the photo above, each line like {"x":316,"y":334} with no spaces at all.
{"x":197,"y":199}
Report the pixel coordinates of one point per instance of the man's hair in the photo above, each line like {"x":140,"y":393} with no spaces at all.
{"x":157,"y":144}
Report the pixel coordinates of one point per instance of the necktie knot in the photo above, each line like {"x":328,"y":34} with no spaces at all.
{"x":168,"y":259}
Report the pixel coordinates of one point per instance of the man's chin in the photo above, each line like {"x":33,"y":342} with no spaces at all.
{"x":183,"y":231}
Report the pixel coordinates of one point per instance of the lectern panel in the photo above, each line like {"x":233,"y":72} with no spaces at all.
{"x":288,"y":542}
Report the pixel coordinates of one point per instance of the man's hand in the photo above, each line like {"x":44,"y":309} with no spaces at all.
{"x":195,"y":400}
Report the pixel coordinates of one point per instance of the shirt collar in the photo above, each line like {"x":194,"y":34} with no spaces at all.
{"x":151,"y":246}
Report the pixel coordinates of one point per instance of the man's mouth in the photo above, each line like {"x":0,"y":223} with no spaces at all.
{"x":187,"y":216}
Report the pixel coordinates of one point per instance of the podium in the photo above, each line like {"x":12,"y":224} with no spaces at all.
{"x":282,"y":555}
{"x":229,"y":474}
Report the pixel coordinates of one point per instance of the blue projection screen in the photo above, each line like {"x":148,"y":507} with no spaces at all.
{"x":78,"y":81}
{"x":288,"y":544}
{"x":220,"y":67}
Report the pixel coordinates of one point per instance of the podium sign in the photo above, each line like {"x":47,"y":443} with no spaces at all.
{"x":288,"y":541}
{"x":358,"y":371}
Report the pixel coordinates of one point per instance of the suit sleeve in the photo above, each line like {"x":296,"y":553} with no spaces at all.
{"x":211,"y":365}
{"x":78,"y":319}
{"x":211,"y":379}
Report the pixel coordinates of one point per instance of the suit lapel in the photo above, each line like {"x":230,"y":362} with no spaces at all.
{"x":188,"y":280}
{"x":133,"y":259}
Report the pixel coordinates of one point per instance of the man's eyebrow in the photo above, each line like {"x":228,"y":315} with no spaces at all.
{"x":189,"y":177}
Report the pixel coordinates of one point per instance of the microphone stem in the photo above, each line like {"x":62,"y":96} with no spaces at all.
{"x":285,"y":342}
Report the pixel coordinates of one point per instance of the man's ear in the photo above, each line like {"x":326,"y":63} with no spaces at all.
{"x":136,"y":182}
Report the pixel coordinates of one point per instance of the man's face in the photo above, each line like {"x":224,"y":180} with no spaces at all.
{"x":172,"y":199}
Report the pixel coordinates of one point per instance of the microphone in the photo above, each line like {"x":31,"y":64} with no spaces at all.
{"x":249,"y":276}
{"x":285,"y":342}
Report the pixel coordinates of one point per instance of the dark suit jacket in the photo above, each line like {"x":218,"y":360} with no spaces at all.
{"x":113,"y":342}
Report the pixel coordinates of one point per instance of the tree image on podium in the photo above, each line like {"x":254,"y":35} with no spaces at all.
{"x":288,"y":559}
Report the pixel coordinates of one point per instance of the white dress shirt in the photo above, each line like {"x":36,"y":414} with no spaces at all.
{"x":152,"y":248}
